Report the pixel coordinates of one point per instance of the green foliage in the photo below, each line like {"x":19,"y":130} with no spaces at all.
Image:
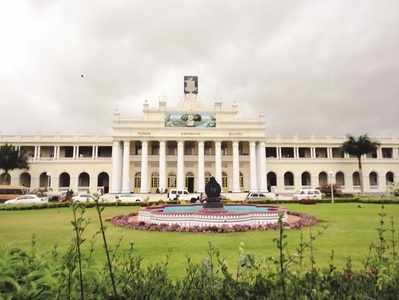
{"x":74,"y":274}
{"x":359,"y":146}
{"x":11,"y":158}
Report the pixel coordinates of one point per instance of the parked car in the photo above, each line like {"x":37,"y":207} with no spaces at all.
{"x":184,"y":195}
{"x":83,"y":198}
{"x":27,"y":199}
{"x":307,"y":194}
{"x":253,"y":196}
{"x":122,"y":198}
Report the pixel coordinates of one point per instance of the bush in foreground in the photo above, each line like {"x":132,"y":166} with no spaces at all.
{"x":74,"y":274}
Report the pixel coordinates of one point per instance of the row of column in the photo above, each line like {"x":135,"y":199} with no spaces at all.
{"x":121,"y":166}
{"x":56,"y":153}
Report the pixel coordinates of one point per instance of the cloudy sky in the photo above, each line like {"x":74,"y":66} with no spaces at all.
{"x":313,"y":67}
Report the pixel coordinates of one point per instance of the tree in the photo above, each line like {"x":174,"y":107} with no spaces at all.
{"x":358,"y":147}
{"x":11,"y":158}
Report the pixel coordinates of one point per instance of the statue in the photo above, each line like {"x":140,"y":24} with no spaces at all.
{"x":212,"y":190}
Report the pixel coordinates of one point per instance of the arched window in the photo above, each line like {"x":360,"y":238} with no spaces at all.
{"x":155,"y":180}
{"x":356,"y":178}
{"x":207,"y":177}
{"x":44,"y":180}
{"x":373,"y":178}
{"x":389,"y":178}
{"x":271,"y":179}
{"x":64,"y":180}
{"x":241,"y":180}
{"x":171,"y":180}
{"x":25,"y":179}
{"x":225,"y":182}
{"x":323,"y":178}
{"x":137,"y":180}
{"x":84,"y":180}
{"x":305,"y":179}
{"x":289,"y":179}
{"x":340,"y":179}
{"x":103,"y":182}
{"x":5,"y":179}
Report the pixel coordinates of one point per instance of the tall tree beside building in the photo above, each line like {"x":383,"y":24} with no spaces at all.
{"x":11,"y":158}
{"x":358,"y":146}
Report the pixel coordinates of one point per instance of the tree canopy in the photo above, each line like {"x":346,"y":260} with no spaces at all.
{"x":357,"y":146}
{"x":11,"y":158}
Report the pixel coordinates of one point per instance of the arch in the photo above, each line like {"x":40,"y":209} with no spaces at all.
{"x":64,"y":180}
{"x":44,"y":180}
{"x":225,"y":180}
{"x":5,"y":179}
{"x":25,"y":179}
{"x":271,"y":179}
{"x":154,"y":180}
{"x":137,"y":180}
{"x":306,"y":179}
{"x":356,"y":178}
{"x":84,"y":180}
{"x":241,"y":180}
{"x":208,"y":176}
{"x":373,"y":178}
{"x":323,"y":178}
{"x":340,"y":178}
{"x":389,"y":178}
{"x":103,"y":182}
{"x":289,"y":179}
{"x":172,"y":180}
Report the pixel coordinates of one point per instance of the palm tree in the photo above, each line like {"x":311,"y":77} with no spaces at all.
{"x":11,"y":158}
{"x":358,"y":147}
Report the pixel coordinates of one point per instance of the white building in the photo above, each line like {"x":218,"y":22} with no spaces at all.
{"x":183,"y":146}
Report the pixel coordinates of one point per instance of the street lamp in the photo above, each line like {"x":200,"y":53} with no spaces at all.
{"x":331,"y":174}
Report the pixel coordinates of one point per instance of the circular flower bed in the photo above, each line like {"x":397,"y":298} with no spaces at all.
{"x":295,"y":220}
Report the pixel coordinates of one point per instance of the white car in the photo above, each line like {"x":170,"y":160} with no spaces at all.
{"x":306,"y":194}
{"x":184,"y":195}
{"x":122,"y":198}
{"x":84,"y":198}
{"x":261,"y":196}
{"x":27,"y":199}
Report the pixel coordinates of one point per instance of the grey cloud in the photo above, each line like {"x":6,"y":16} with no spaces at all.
{"x":313,"y":67}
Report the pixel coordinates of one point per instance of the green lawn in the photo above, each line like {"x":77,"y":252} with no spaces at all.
{"x":350,"y":231}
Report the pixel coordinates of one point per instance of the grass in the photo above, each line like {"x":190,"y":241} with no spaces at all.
{"x":350,"y":231}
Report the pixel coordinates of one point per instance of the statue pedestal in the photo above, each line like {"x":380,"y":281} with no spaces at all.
{"x":213,"y":203}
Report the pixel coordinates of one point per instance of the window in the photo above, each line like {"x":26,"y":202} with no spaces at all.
{"x":304,"y":152}
{"x":356,"y":179}
{"x":271,"y":179}
{"x":337,"y":153}
{"x":287,"y":152}
{"x":241,"y":180}
{"x":154,"y":180}
{"x":271,"y":152}
{"x":84,"y":179}
{"x":389,"y":178}
{"x":305,"y":178}
{"x":340,"y":179}
{"x":323,"y":179}
{"x":288,"y":179}
{"x":321,"y":153}
{"x":224,"y":180}
{"x":137,"y":180}
{"x":372,"y":154}
{"x":373,"y":177}
{"x":171,"y":180}
{"x":387,"y":152}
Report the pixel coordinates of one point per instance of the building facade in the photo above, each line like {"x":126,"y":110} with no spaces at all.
{"x":182,"y":147}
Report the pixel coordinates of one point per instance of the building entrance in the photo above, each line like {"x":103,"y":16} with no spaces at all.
{"x":190,"y":182}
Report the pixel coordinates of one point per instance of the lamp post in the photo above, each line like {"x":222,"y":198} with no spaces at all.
{"x":331,"y":174}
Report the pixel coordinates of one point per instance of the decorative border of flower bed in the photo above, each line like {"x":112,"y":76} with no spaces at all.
{"x":125,"y":221}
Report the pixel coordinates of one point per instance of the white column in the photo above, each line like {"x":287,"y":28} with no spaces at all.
{"x":116,"y":166}
{"x":261,"y":167}
{"x":201,"y":168}
{"x":38,"y":152}
{"x":236,"y":168}
{"x":35,"y":153}
{"x":180,"y":165}
{"x":218,"y":162}
{"x":126,"y":167}
{"x":162,"y":166}
{"x":144,"y":167}
{"x":252,"y":167}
